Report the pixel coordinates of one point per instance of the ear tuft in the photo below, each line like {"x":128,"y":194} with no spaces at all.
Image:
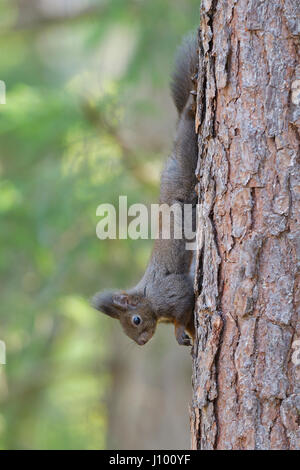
{"x":103,"y":301}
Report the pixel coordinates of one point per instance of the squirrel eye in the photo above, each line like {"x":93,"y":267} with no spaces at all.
{"x":136,"y":320}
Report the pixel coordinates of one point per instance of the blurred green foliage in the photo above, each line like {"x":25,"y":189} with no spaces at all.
{"x":84,"y":90}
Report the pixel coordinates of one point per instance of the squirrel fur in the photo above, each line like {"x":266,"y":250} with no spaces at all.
{"x":165,"y":292}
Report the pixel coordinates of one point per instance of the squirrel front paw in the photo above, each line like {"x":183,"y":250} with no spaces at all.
{"x":182,"y":337}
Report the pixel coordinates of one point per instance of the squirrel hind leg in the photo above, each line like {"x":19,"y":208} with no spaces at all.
{"x":186,"y":63}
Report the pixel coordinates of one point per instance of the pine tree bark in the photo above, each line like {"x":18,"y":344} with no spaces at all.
{"x":245,"y":375}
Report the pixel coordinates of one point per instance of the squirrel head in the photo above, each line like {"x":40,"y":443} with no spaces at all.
{"x":133,"y":310}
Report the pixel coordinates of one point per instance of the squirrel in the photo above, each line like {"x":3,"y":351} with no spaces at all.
{"x":165,"y":292}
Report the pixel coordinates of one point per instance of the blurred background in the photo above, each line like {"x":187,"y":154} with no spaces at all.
{"x":88,"y":117}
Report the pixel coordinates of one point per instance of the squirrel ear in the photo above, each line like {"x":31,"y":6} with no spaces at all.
{"x":106,"y":302}
{"x":121,"y":300}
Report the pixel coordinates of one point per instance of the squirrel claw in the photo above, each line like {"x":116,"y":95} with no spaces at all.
{"x":182,"y":338}
{"x":185,"y":340}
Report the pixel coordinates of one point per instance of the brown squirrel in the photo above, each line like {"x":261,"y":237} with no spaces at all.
{"x":165,"y":292}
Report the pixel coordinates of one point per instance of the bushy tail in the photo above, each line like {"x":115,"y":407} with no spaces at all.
{"x":186,"y":63}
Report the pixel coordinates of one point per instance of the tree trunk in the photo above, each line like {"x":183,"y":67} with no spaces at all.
{"x":245,"y":370}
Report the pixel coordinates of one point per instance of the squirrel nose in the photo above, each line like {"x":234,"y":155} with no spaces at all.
{"x":142,"y":339}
